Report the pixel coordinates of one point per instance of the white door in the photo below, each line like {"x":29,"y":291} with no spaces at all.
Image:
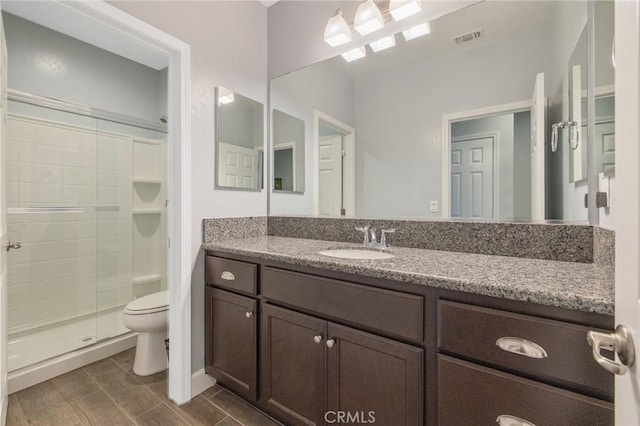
{"x":239,"y":167}
{"x":3,"y":226}
{"x":605,"y":146}
{"x":627,"y":155}
{"x":330,"y":178}
{"x":472,"y":178}
{"x":538,"y":120}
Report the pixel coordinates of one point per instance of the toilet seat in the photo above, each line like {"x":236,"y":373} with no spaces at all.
{"x":150,"y":304}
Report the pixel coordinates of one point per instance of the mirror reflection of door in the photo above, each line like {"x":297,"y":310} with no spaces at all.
{"x":491,"y":167}
{"x":331,"y":171}
{"x":288,"y":153}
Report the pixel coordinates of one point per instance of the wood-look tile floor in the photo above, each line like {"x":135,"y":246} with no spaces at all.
{"x":108,"y":393}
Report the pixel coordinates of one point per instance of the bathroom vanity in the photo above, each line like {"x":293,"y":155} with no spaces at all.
{"x":428,"y":337}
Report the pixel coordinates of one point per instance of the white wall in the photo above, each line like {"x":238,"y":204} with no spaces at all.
{"x":47,"y":63}
{"x":324,"y":87}
{"x":228,"y":48}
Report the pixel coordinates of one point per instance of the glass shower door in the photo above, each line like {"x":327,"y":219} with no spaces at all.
{"x":52,"y":209}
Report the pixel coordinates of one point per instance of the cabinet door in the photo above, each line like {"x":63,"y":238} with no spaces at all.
{"x":292,"y":365}
{"x":231,"y":341}
{"x":373,"y":379}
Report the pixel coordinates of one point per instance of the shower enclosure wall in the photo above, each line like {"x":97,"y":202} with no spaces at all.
{"x":86,"y":201}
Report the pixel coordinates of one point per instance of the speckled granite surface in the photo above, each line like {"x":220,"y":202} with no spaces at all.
{"x":604,"y":247}
{"x":571,"y":243}
{"x":578,"y":286}
{"x":233,"y":227}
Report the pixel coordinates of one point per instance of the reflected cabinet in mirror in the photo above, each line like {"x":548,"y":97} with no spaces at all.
{"x":288,"y":152}
{"x":239,"y":141}
{"x":451,"y":126}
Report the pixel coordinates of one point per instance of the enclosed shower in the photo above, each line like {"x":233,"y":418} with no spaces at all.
{"x":86,"y":205}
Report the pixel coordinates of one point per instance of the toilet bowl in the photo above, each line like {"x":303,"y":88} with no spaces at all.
{"x":147,"y":315}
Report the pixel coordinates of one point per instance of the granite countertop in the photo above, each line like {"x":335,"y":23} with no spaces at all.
{"x":578,"y":286}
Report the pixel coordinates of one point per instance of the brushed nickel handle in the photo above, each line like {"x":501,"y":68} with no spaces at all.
{"x":317,"y":338}
{"x":248,"y":314}
{"x":509,"y":420}
{"x":522,"y":347}
{"x":619,"y":342}
{"x":330,"y":343}
{"x":13,"y":245}
{"x":226,"y":275}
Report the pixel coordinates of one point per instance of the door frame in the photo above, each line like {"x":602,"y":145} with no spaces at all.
{"x":349,"y":176}
{"x":495,"y":167}
{"x":101,"y":16}
{"x":447,"y":120}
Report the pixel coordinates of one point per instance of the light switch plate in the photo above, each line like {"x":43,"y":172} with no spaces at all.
{"x":433,"y":207}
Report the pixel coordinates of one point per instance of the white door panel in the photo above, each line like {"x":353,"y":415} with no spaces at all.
{"x":240,"y":168}
{"x":3,"y":226}
{"x":472,"y":188}
{"x":605,"y":146}
{"x":330,"y":177}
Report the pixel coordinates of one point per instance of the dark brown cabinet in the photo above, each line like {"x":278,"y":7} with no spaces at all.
{"x":231,"y":341}
{"x":367,"y":377}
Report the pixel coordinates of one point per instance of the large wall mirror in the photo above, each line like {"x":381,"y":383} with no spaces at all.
{"x":288,"y":153}
{"x":239,"y":141}
{"x":436,"y":127}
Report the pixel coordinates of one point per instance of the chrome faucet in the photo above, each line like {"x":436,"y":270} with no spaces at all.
{"x":371,"y":237}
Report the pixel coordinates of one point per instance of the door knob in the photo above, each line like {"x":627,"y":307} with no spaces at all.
{"x":317,"y":338}
{"x":330,"y":343}
{"x":13,"y":245}
{"x":619,"y":342}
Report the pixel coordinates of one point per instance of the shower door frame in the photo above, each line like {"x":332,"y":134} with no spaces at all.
{"x":100,"y":16}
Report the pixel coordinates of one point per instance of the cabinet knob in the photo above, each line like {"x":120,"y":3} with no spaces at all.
{"x":248,"y":314}
{"x":317,"y":338}
{"x":330,"y":343}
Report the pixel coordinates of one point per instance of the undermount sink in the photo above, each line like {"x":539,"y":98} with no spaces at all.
{"x":356,"y":254}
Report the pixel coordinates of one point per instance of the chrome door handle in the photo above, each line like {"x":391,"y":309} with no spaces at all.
{"x":13,"y":245}
{"x":317,"y":338}
{"x":619,"y":342}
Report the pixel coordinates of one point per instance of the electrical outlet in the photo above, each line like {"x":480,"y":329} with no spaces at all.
{"x":433,"y":207}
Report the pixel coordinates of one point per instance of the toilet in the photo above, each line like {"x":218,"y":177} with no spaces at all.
{"x":147,"y":315}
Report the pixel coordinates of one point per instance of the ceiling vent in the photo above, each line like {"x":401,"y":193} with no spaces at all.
{"x":473,"y":35}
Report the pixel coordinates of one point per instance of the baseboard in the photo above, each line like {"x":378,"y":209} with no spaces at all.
{"x":200,"y":382}
{"x":49,"y":369}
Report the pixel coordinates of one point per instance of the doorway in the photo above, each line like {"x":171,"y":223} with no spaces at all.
{"x":335,"y":167}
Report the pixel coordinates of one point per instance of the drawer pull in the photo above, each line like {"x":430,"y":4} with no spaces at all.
{"x":522,"y":347}
{"x":507,"y":420}
{"x":226,"y":275}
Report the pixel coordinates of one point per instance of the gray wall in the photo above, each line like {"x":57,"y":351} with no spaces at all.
{"x":287,"y":128}
{"x":283,"y":168}
{"x":228,"y":48}
{"x":46,"y":63}
{"x":522,"y":165}
{"x":241,"y":123}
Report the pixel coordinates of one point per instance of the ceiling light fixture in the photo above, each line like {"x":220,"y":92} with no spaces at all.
{"x":417,"y":31}
{"x":368,"y":18}
{"x":401,"y":9}
{"x":354,"y":54}
{"x":383,"y":43}
{"x":337,"y":30}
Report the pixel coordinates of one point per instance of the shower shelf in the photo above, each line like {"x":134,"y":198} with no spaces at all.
{"x":147,"y":211}
{"x":148,"y":181}
{"x":143,"y":279}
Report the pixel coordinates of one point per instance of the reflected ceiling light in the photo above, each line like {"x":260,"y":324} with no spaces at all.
{"x":401,"y":9}
{"x":337,"y":30}
{"x":353,"y":54}
{"x":383,"y":43}
{"x":368,"y":18}
{"x":225,"y":96}
{"x":417,"y":31}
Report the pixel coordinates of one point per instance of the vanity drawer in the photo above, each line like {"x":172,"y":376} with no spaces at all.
{"x":564,"y":357}
{"x":389,"y":312}
{"x":231,"y":274}
{"x":469,"y":394}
